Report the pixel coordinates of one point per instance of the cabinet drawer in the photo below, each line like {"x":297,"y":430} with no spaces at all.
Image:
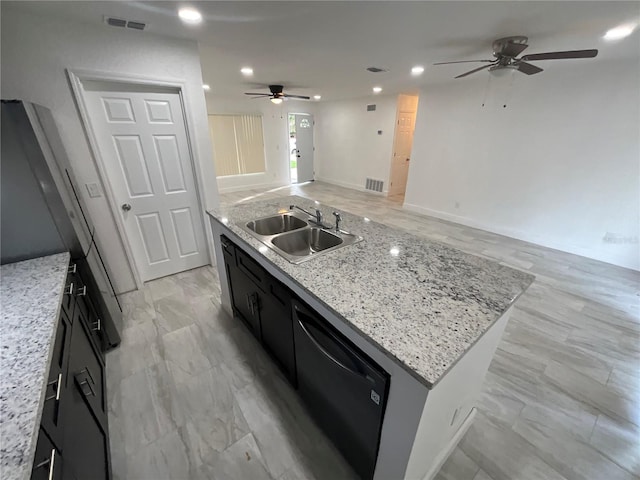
{"x":252,"y":269}
{"x":86,"y":370}
{"x":47,"y":464}
{"x":51,"y":410}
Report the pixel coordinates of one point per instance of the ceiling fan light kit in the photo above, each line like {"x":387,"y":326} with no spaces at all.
{"x":506,"y":51}
{"x":277,"y":94}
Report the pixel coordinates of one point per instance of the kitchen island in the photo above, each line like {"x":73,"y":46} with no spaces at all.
{"x":428,"y":315}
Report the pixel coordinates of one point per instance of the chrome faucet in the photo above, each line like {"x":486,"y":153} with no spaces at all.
{"x":338,"y":220}
{"x":318,"y":215}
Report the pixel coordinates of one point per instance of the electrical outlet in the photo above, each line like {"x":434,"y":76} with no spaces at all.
{"x":94,"y":190}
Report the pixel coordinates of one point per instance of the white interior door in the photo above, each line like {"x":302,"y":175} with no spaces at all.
{"x":143,"y":144}
{"x":402,"y":144}
{"x":304,"y":146}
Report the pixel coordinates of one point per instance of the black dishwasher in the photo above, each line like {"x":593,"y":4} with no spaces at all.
{"x":345,"y":391}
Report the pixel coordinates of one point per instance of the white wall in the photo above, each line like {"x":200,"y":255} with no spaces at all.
{"x":559,"y":166}
{"x":348,"y":147}
{"x":35,"y":53}
{"x":276,"y":138}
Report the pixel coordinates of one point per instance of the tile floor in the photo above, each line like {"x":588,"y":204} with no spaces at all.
{"x":191,"y":395}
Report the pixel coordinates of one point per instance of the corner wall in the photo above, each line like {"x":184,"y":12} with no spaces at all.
{"x":36,"y":51}
{"x":276,"y":138}
{"x":348,"y":147}
{"x":559,"y":166}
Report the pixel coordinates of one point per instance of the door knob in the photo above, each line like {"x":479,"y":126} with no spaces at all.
{"x":126,"y":207}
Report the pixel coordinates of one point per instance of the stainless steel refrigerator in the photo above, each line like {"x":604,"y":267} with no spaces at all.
{"x":41,"y":209}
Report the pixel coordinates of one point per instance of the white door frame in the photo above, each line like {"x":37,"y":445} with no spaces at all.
{"x":76,"y":77}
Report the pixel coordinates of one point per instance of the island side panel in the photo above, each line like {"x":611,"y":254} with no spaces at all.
{"x":450,"y":403}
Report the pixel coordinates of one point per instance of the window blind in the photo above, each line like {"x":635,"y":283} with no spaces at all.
{"x":238,"y":144}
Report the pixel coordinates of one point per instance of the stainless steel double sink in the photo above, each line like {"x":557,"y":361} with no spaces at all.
{"x":297,"y":238}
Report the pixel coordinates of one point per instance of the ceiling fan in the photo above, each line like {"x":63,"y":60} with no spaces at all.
{"x":276,"y":95}
{"x":505,"y":51}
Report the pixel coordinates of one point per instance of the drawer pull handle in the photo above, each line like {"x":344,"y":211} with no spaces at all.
{"x":82,"y":292}
{"x":69,"y":289}
{"x":58,"y":383}
{"x":97,"y":326}
{"x":86,"y":382}
{"x":48,"y":461}
{"x":73,"y":268}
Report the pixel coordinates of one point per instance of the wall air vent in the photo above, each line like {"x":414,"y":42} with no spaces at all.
{"x":122,"y":23}
{"x":376,"y":69}
{"x":371,"y":108}
{"x":374,"y":185}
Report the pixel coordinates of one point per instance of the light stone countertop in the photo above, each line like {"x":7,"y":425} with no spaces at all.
{"x":31,"y":293}
{"x":424,"y":307}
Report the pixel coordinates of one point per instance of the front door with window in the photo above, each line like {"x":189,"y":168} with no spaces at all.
{"x":304,"y":147}
{"x":143,"y":144}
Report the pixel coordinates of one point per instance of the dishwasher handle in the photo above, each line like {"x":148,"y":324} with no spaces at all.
{"x":324,"y":351}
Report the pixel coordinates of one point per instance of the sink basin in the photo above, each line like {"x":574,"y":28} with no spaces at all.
{"x":294,"y":236}
{"x":306,"y":242}
{"x":276,"y":224}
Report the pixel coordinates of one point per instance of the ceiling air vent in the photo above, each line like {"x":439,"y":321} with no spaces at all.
{"x":122,"y":23}
{"x":371,"y":108}
{"x":376,"y":69}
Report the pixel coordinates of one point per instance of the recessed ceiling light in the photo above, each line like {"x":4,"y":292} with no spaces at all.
{"x":395,"y":251}
{"x":620,"y":32}
{"x":317,"y":97}
{"x":190,"y":15}
{"x":417,"y":70}
{"x":246,"y":71}
{"x":377,"y":89}
{"x":276,"y":100}
{"x":206,"y":87}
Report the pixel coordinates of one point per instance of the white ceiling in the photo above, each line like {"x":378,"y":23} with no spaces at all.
{"x":324,"y":47}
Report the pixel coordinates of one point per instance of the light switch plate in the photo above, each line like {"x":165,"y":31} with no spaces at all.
{"x":94,"y":190}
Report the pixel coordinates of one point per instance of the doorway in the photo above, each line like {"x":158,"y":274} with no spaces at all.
{"x":301,"y":147}
{"x":402,"y":144}
{"x":142,"y":144}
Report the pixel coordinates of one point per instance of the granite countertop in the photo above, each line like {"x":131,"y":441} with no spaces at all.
{"x":31,"y":293}
{"x":421,"y":302}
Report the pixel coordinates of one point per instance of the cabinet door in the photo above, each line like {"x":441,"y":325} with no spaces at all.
{"x":277,"y":327}
{"x":86,"y":442}
{"x":47,"y":463}
{"x":86,"y":368}
{"x":246,"y":298}
{"x":51,"y":410}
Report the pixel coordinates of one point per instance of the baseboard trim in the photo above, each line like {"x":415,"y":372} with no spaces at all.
{"x":511,"y":233}
{"x":450,"y":447}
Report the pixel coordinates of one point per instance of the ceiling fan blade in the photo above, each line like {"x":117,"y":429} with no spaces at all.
{"x":513,"y":49}
{"x":262,"y":96}
{"x":296,"y":96}
{"x":473,"y":71}
{"x":528,"y":68}
{"x":561,"y":55}
{"x":258,"y":94}
{"x":464,"y":61}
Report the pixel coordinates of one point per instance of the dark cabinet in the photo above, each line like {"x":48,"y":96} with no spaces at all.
{"x":52,"y":421}
{"x":47,"y":463}
{"x":73,"y":442}
{"x":277,"y":328}
{"x":86,"y":441}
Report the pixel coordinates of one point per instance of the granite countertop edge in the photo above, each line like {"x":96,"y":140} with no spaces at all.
{"x":18,"y":447}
